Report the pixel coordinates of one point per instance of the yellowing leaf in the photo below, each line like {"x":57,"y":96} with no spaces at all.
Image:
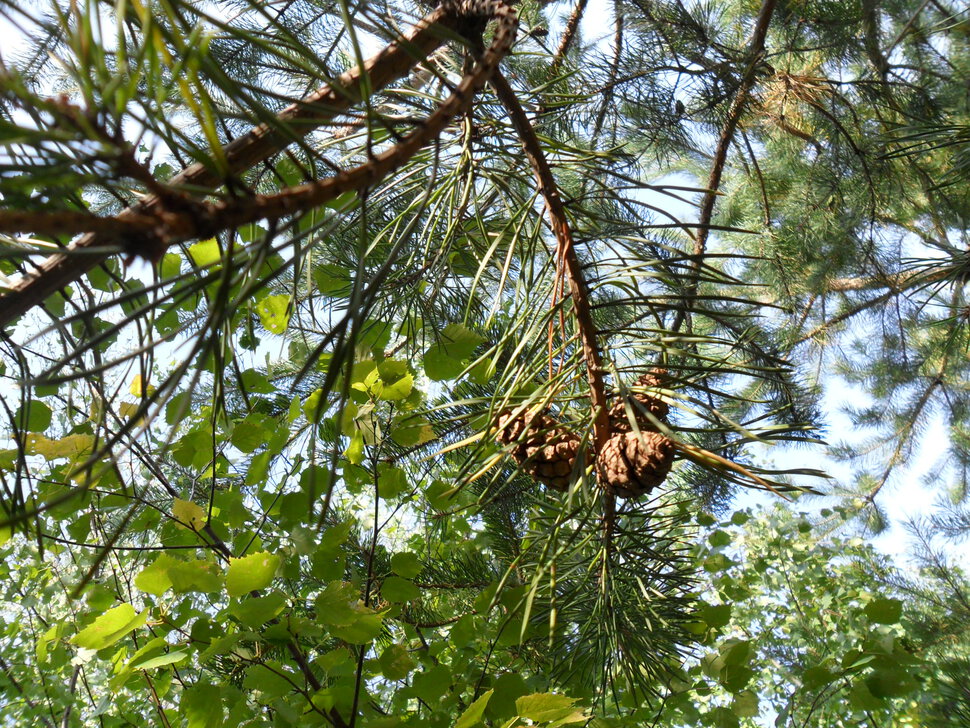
{"x":140,"y":388}
{"x":274,"y":313}
{"x":189,"y":514}
{"x":73,"y":447}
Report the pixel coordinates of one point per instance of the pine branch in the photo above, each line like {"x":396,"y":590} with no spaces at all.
{"x":756,"y":48}
{"x":262,"y":142}
{"x":569,"y":34}
{"x":69,"y":222}
{"x":567,"y":258}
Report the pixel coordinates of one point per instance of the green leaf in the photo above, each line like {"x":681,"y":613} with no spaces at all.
{"x":440,"y":367}
{"x":473,"y":713}
{"x":154,"y":578}
{"x":189,"y":514}
{"x":396,"y":589}
{"x":546,"y":707}
{"x":391,"y":481}
{"x":715,"y":615}
{"x":197,"y":575}
{"x":256,"y":611}
{"x":37,"y":417}
{"x":201,"y":705}
{"x":459,"y":341}
{"x":884,"y":611}
{"x":205,"y":252}
{"x":110,"y":627}
{"x":160,"y":660}
{"x":332,"y":279}
{"x":745,"y":705}
{"x":251,"y":573}
{"x":274,"y":313}
{"x":355,"y":450}
{"x":250,"y":433}
{"x":890,"y":683}
{"x":396,"y":662}
{"x":406,"y":564}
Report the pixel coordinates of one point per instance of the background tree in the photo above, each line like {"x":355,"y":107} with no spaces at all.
{"x":276,"y":477}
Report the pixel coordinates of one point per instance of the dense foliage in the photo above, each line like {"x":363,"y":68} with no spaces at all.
{"x":263,"y":311}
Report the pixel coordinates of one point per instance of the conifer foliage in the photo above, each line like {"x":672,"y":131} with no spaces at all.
{"x":381,"y":364}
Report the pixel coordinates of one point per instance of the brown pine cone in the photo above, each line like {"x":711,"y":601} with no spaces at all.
{"x":526,"y":426}
{"x":545,"y":449}
{"x":552,"y":463}
{"x":632,"y":465}
{"x":640,"y":402}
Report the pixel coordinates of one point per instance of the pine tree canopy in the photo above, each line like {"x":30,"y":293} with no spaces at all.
{"x":483,"y":362}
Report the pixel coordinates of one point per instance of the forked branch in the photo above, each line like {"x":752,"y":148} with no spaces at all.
{"x":261,"y":143}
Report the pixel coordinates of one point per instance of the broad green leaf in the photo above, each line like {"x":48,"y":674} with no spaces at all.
{"x":201,"y":704}
{"x":154,"y":578}
{"x":38,"y":416}
{"x":396,"y":662}
{"x":474,"y":712}
{"x":274,"y":313}
{"x":715,"y":615}
{"x":396,"y":589}
{"x":251,"y":573}
{"x":391,"y":481}
{"x":189,"y":514}
{"x":745,"y":705}
{"x":250,"y":433}
{"x":406,"y":564}
{"x":205,"y":252}
{"x":884,"y":611}
{"x":110,"y":627}
{"x":440,"y":367}
{"x":548,"y":707}
{"x":411,"y":430}
{"x":160,"y":661}
{"x":890,"y":683}
{"x":364,"y":629}
{"x":458,"y":341}
{"x":256,"y":611}
{"x":197,"y":575}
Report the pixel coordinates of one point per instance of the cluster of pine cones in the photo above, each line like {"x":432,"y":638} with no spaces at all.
{"x":631,"y":463}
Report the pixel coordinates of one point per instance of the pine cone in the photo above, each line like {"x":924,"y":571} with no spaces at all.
{"x":640,"y":402}
{"x":552,"y":463}
{"x":545,"y":449}
{"x":632,"y":465}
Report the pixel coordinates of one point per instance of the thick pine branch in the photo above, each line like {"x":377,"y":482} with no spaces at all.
{"x":261,"y":143}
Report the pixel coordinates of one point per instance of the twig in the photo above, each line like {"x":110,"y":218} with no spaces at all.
{"x":569,"y":34}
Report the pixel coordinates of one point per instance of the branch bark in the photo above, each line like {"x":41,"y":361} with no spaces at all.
{"x":262,"y":142}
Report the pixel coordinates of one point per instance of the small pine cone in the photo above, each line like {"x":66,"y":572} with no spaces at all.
{"x":552,"y":462}
{"x":523,"y":428}
{"x":632,"y":465}
{"x":545,"y":449}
